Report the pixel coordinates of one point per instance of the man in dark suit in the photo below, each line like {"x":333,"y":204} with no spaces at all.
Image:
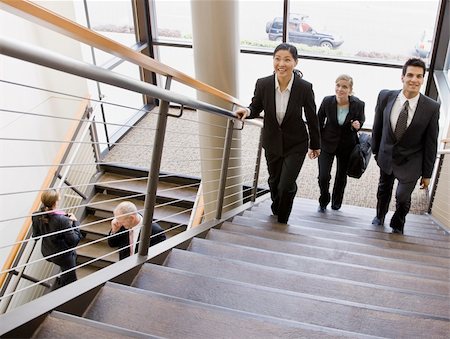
{"x":127,"y":224}
{"x":404,"y":142}
{"x":284,"y":96}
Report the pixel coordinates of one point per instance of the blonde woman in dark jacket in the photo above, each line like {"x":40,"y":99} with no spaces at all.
{"x":340,"y":117}
{"x":49,"y":220}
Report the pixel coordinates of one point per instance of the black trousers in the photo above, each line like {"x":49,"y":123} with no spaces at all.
{"x":325,"y":163}
{"x":283,"y":172}
{"x":66,"y":262}
{"x":402,"y":198}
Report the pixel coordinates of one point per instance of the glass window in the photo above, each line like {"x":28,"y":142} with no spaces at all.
{"x":378,"y":31}
{"x":114,"y":19}
{"x":181,"y":59}
{"x":260,"y":30}
{"x":131,"y":102}
{"x":173,"y":21}
{"x":368,"y":80}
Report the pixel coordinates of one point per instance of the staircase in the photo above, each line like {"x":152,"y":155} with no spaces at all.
{"x":116,"y":183}
{"x":322,"y":276}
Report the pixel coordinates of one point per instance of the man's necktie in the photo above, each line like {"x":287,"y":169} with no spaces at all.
{"x":402,"y":121}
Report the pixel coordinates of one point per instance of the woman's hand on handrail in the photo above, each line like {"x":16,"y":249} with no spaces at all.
{"x":242,"y":113}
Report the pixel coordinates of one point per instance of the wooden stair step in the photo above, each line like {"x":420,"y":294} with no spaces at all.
{"x":98,"y":227}
{"x":344,"y":221}
{"x":300,"y":282}
{"x":287,"y":305}
{"x":330,"y":254}
{"x":62,"y":325}
{"x":166,"y":316}
{"x":302,"y":206}
{"x":392,"y":241}
{"x":97,"y":250}
{"x":172,"y":214}
{"x":320,"y":267}
{"x":421,"y":238}
{"x":119,"y":182}
{"x":267,"y":230}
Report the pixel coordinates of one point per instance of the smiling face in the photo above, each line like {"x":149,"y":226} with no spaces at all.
{"x":412,"y":81}
{"x":343,"y":89}
{"x":283,"y":64}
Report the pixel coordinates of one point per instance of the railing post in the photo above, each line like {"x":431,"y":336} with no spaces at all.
{"x":435,"y":183}
{"x":224,"y":170}
{"x":94,"y":138}
{"x":257,"y":169}
{"x":152,"y":183}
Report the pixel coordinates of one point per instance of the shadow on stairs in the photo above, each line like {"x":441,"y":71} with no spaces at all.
{"x":322,"y":276}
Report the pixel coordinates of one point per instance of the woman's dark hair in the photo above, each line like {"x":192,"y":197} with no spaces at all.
{"x":287,"y":47}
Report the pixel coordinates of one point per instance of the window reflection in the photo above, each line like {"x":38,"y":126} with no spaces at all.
{"x":378,"y":31}
{"x":113,"y":19}
{"x":173,"y":21}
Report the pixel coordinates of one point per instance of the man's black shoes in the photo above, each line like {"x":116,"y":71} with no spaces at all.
{"x":377,"y":221}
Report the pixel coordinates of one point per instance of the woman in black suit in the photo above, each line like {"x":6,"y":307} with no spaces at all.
{"x":340,"y":117}
{"x":49,"y":220}
{"x":284,"y":96}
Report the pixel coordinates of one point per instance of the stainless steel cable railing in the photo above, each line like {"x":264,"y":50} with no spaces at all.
{"x":168,"y":170}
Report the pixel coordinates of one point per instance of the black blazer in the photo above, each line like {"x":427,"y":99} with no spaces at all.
{"x":292,"y":136}
{"x":122,"y":240}
{"x":58,"y":242}
{"x":334,"y":135}
{"x":414,"y":154}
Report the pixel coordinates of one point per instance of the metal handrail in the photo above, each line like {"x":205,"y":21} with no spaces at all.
{"x":40,"y":56}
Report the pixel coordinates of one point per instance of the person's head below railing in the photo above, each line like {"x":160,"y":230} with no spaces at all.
{"x":126,"y":226}
{"x":60,"y":233}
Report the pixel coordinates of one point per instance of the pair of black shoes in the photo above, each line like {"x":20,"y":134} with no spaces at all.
{"x":380,"y":222}
{"x":322,"y":209}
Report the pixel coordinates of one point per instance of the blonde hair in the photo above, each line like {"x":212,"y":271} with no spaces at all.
{"x":49,"y":199}
{"x":346,"y":78}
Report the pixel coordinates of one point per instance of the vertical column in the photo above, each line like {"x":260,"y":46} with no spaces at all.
{"x":216,"y":52}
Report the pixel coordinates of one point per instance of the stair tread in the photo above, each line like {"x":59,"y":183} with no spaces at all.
{"x":172,"y":214}
{"x":330,"y":254}
{"x":98,"y":227}
{"x":60,"y":325}
{"x":266,"y":230}
{"x":318,"y":266}
{"x":375,"y":232}
{"x":391,"y":241}
{"x":97,"y":250}
{"x":129,"y":307}
{"x":363,"y":214}
{"x":338,"y":219}
{"x":165,"y":189}
{"x":290,"y":306}
{"x":320,"y":285}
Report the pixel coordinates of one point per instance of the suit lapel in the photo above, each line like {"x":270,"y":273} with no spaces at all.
{"x":271,"y":96}
{"x":333,"y":111}
{"x":388,"y":110}
{"x":417,"y":119}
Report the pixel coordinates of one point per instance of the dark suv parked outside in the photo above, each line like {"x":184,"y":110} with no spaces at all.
{"x":301,"y":32}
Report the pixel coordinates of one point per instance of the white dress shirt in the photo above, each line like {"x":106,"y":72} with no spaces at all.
{"x":282,"y":98}
{"x":397,"y":107}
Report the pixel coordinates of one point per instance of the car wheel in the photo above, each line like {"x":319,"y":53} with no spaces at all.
{"x":326,"y":44}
